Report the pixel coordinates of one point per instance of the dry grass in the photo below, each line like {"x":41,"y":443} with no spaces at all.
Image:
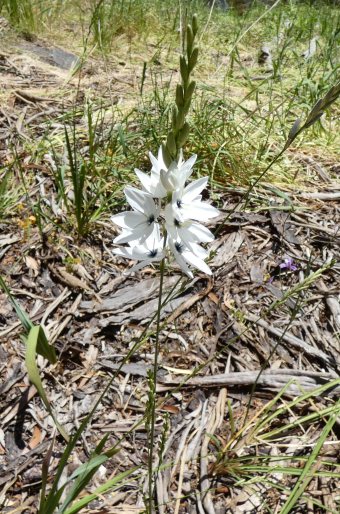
{"x":230,"y":440}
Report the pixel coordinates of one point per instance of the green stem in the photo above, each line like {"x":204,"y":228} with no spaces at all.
{"x":153,"y":396}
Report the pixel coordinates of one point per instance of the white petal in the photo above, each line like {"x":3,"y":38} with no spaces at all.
{"x":152,"y":183}
{"x":137,"y":253}
{"x":175,"y":178}
{"x":179,"y":259}
{"x":196,"y":262}
{"x":154,"y":239}
{"x":180,"y":158}
{"x":126,"y":236}
{"x":154,"y":161}
{"x":183,"y":265}
{"x":140,"y":200}
{"x":151,"y":207}
{"x":136,"y":201}
{"x":140,"y":233}
{"x":198,"y":231}
{"x":124,"y":251}
{"x":128,"y":219}
{"x":140,"y":265}
{"x":167,"y":180}
{"x":144,"y":179}
{"x":140,"y":253}
{"x":118,"y":219}
{"x":159,"y":164}
{"x":186,"y":168}
{"x":169,"y":213}
{"x":199,"y":251}
{"x":194,"y":189}
{"x":159,"y":191}
{"x":199,"y":211}
{"x":171,"y":230}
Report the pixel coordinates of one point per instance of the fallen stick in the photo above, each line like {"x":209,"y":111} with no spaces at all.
{"x":320,"y":196}
{"x":31,"y":97}
{"x":273,"y":379}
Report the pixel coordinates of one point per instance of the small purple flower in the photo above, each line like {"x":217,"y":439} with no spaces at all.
{"x":288,"y":264}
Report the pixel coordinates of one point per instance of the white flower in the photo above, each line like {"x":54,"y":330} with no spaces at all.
{"x":148,"y":252}
{"x":194,"y":256}
{"x":163,"y":179}
{"x":186,"y":231}
{"x":152,"y":184}
{"x":182,"y":210}
{"x":187,"y":203}
{"x":177,"y":174}
{"x":140,"y":223}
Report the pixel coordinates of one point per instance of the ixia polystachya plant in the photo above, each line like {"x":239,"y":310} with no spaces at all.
{"x":165,"y":216}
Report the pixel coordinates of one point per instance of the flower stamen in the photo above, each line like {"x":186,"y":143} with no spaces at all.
{"x":151,"y":219}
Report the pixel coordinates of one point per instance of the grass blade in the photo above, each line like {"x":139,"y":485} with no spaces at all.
{"x":33,"y":372}
{"x":113,"y":483}
{"x":42,"y":347}
{"x":24,"y":319}
{"x":307,"y":473}
{"x":82,"y":476}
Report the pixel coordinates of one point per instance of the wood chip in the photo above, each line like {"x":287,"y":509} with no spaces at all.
{"x":68,"y":279}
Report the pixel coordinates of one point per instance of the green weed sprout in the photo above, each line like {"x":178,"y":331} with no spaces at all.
{"x":36,"y":343}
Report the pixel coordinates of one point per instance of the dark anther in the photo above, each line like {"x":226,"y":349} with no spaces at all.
{"x":179,"y":247}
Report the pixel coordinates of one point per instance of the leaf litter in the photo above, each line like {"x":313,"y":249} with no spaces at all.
{"x":216,"y":336}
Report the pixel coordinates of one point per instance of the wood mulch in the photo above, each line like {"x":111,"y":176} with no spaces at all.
{"x":225,"y":327}
{"x":217,"y":333}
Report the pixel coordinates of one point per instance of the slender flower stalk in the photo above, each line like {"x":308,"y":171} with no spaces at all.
{"x":165,"y":223}
{"x":153,"y":397}
{"x":164,"y":226}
